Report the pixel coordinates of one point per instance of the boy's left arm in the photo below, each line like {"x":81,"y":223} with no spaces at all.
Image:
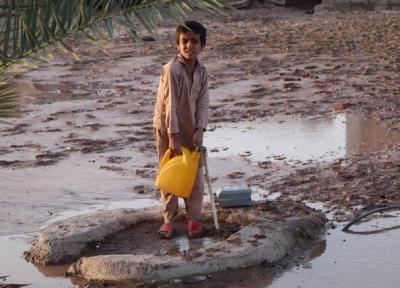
{"x":202,"y":112}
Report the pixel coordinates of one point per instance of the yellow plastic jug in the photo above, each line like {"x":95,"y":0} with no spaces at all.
{"x":177,"y":175}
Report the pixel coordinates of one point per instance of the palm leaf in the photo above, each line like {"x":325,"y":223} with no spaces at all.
{"x":9,"y":99}
{"x":28,"y":27}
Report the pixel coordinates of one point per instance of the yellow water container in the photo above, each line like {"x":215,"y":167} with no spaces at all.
{"x":177,"y":175}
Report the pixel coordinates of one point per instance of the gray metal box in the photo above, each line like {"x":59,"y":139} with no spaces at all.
{"x":234,"y":196}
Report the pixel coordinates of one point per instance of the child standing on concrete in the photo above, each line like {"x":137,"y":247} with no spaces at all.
{"x":181,"y":117}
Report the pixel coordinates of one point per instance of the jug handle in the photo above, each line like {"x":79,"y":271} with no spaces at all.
{"x":165,"y":158}
{"x":186,"y":154}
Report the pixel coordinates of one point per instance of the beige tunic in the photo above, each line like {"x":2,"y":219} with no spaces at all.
{"x":182,"y":106}
{"x":182,"y":100}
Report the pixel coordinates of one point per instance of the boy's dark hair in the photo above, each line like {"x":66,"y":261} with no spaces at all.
{"x":194,"y":26}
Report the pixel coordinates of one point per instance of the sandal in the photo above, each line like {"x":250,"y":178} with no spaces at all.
{"x":166,"y":231}
{"x":195,"y":229}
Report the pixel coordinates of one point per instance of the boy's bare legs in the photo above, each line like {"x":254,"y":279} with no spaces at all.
{"x":194,"y":205}
{"x":170,"y":202}
{"x":170,"y":209}
{"x":170,"y":206}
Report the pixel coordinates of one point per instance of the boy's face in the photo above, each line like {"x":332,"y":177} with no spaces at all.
{"x":189,"y":45}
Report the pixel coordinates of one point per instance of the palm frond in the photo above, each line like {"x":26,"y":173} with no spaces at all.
{"x":28,"y":26}
{"x":31,"y":27}
{"x":9,"y":99}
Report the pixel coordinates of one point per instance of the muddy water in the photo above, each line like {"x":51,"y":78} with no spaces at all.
{"x":133,"y":204}
{"x":22,"y":272}
{"x":56,"y":188}
{"x":279,"y":138}
{"x":316,"y":139}
{"x":367,"y":257}
{"x":336,"y":259}
{"x":340,"y":260}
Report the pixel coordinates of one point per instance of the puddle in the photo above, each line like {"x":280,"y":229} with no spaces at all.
{"x":316,"y":206}
{"x":61,"y":187}
{"x":299,"y":139}
{"x":13,"y":264}
{"x":12,"y":247}
{"x":22,"y":272}
{"x":376,"y":223}
{"x":259,"y":194}
{"x":184,"y":244}
{"x":275,"y":139}
{"x":133,"y":204}
{"x":341,"y":260}
{"x":351,"y":260}
{"x":345,"y":257}
{"x":181,"y":245}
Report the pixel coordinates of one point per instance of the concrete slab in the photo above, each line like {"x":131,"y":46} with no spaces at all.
{"x":247,"y":247}
{"x":63,"y":241}
{"x":265,"y":236}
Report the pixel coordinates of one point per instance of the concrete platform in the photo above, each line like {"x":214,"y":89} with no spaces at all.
{"x":265,"y":236}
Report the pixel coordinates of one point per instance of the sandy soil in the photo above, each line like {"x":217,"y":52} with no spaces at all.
{"x":86,"y":135}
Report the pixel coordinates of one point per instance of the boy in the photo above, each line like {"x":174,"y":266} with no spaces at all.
{"x":181,"y":117}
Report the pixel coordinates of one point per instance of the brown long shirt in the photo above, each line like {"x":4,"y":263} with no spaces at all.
{"x":182,"y":100}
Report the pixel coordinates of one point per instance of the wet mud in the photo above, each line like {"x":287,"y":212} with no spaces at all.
{"x":86,"y":136}
{"x":143,"y":239}
{"x":348,"y":187}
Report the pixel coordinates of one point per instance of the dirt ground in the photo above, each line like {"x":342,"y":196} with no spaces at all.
{"x":141,"y":239}
{"x":86,"y":135}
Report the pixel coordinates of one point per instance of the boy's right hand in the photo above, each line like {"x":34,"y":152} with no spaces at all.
{"x":175,"y":144}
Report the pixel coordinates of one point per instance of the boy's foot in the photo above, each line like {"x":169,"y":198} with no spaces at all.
{"x":195,"y":229}
{"x":166,"y":231}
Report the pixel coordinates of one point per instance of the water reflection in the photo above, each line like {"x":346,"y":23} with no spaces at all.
{"x":376,"y":224}
{"x":23,"y":272}
{"x":183,"y":244}
{"x":366,"y":135}
{"x":111,"y":205}
{"x":348,"y":260}
{"x":300,"y":139}
{"x":376,"y":231}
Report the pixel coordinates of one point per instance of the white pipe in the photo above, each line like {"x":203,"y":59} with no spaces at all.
{"x":214,"y":210}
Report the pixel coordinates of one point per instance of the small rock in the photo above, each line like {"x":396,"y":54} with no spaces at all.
{"x":340,"y":106}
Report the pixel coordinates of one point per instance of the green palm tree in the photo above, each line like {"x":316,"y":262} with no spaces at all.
{"x":28,"y":26}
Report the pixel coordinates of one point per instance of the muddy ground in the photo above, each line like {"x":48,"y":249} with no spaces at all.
{"x":141,"y":239}
{"x":86,"y":134}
